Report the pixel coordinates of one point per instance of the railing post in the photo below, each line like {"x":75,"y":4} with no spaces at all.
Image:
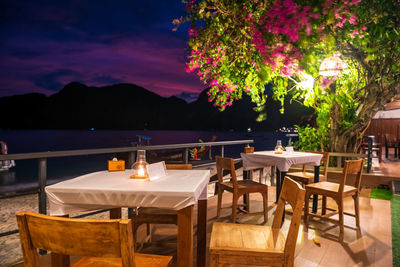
{"x":131,"y":159}
{"x":186,"y":155}
{"x":369,"y":160}
{"x":42,"y":183}
{"x":222,"y":151}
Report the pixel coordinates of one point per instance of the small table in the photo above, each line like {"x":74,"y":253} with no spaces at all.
{"x":282,"y":162}
{"x":180,"y":190}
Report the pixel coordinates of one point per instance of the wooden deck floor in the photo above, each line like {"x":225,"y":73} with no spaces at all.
{"x":372,"y":246}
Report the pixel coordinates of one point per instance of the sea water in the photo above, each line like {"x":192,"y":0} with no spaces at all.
{"x":24,"y":176}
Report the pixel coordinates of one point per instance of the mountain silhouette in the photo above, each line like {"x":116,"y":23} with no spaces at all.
{"x":128,"y":106}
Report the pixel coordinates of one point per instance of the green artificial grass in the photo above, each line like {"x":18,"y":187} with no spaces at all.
{"x":395,"y":208}
{"x":381,"y":194}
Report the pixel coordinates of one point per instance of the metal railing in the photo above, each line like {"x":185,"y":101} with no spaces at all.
{"x":43,"y":156}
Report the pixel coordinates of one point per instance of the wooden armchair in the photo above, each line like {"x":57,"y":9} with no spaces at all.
{"x":237,"y":188}
{"x":338,"y":192}
{"x":306,"y":176}
{"x":256,"y":244}
{"x":150,"y":216}
{"x":102,"y":242}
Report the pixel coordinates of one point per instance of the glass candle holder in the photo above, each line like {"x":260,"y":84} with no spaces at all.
{"x":278,"y":147}
{"x":140,"y":166}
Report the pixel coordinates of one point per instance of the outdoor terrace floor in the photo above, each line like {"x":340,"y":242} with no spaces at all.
{"x":372,"y":246}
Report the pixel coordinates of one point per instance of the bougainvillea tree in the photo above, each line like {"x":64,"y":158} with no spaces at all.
{"x":239,"y":46}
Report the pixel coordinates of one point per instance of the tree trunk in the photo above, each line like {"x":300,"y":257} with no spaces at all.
{"x":349,"y":140}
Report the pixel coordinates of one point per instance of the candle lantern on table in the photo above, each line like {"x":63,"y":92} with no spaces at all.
{"x":279,"y":148}
{"x":140,"y":166}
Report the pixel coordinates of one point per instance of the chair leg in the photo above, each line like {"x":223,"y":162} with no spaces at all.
{"x":341,"y":218}
{"x":220,"y":192}
{"x":265,"y":198}
{"x":261,"y":175}
{"x":148,"y":231}
{"x":357,"y":209}
{"x":234,"y":207}
{"x":306,"y":208}
{"x":387,"y":152}
{"x":323,"y":205}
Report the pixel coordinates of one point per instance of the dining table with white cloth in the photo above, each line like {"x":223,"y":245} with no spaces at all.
{"x":179,"y":190}
{"x":283,"y":162}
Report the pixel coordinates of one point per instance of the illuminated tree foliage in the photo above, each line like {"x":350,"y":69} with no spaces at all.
{"x":239,"y":46}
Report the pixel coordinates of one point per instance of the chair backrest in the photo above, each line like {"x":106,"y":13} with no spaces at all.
{"x":226,"y":164}
{"x":324,"y":163}
{"x":292,"y":193}
{"x":390,"y":140}
{"x":352,"y":167}
{"x":178,"y":166}
{"x":79,"y":237}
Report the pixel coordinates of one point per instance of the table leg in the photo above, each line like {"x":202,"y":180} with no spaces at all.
{"x":279,"y":182}
{"x":315,"y":197}
{"x":246,"y":176}
{"x":201,"y":232}
{"x":185,"y":237}
{"x":115,"y":213}
{"x":272,"y":175}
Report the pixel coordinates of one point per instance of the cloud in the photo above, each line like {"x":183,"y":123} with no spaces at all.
{"x":188,"y":97}
{"x":55,"y":81}
{"x":48,"y":44}
{"x":105,"y":80}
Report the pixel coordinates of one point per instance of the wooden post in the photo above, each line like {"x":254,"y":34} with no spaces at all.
{"x":131,"y":159}
{"x":369,"y":153}
{"x":42,"y":179}
{"x":186,"y":155}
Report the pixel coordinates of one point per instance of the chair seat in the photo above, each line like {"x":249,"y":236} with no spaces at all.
{"x":245,"y":185}
{"x":142,"y":260}
{"x":307,"y":176}
{"x":155,"y":216}
{"x":330,"y":187}
{"x":247,"y":240}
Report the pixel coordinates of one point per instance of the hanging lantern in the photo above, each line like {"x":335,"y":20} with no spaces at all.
{"x":331,"y":66}
{"x":140,"y":166}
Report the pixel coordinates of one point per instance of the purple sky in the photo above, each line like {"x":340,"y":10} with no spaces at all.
{"x":46,"y":44}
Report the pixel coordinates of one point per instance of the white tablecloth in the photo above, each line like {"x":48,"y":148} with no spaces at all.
{"x":103,"y":190}
{"x":281,"y":161}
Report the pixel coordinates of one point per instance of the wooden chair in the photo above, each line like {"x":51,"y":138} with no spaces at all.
{"x":237,"y":188}
{"x":391,"y":142}
{"x":306,"y":176}
{"x":101,"y":242}
{"x":257,"y":244}
{"x":150,"y":216}
{"x":338,"y":192}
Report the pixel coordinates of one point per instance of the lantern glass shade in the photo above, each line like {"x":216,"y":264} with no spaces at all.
{"x":140,"y":166}
{"x":278,"y":148}
{"x":331,"y":66}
